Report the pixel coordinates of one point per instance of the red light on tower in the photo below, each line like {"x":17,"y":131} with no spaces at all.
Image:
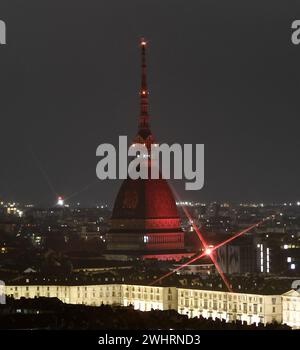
{"x":208,"y":251}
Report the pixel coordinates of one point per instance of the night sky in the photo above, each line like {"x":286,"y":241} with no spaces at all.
{"x":222,"y":73}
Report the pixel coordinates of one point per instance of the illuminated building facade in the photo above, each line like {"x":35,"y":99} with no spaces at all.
{"x":291,"y":308}
{"x":143,"y":298}
{"x":250,"y":308}
{"x":145,"y":222}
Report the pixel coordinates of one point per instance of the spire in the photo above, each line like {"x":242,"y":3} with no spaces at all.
{"x":144,"y":134}
{"x":144,"y":116}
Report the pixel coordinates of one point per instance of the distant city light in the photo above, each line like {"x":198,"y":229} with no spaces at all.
{"x":60,"y":201}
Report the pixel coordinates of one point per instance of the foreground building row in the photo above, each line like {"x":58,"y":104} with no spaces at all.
{"x":250,"y":308}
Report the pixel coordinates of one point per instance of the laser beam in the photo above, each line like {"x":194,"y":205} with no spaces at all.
{"x":178,"y":268}
{"x":211,"y":250}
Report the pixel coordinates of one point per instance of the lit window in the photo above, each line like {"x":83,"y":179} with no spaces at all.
{"x":289,"y":259}
{"x":293,"y":266}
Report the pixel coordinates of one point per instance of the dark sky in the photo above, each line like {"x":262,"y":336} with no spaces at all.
{"x":222,"y":73}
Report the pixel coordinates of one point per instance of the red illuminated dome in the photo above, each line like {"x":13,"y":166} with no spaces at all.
{"x":144,"y":199}
{"x":145,"y":220}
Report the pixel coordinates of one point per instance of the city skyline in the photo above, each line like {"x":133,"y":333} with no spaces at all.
{"x":149,"y":178}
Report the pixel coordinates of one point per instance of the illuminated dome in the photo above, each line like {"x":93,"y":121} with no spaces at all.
{"x":144,"y":199}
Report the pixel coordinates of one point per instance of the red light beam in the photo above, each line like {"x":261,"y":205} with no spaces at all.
{"x":238,"y":234}
{"x":221,"y":273}
{"x":211,"y":250}
{"x":188,"y":215}
{"x":199,"y":234}
{"x":178,"y":268}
